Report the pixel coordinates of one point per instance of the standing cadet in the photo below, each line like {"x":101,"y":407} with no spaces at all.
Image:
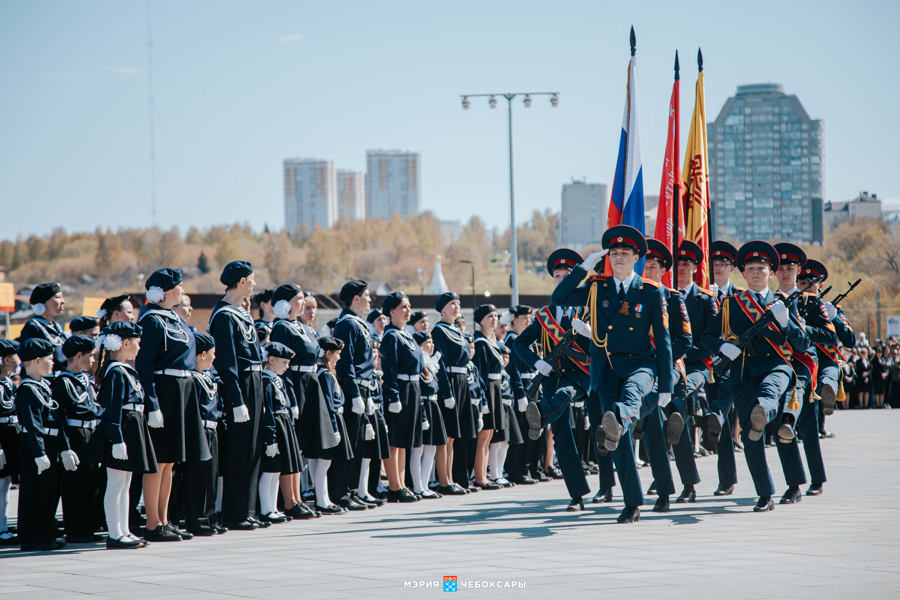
{"x":631,"y":349}
{"x":522,"y":458}
{"x":266,"y":318}
{"x":761,"y":373}
{"x":489,"y":363}
{"x":48,"y":303}
{"x":117,"y":308}
{"x":702,"y":309}
{"x":434,"y":438}
{"x":9,"y":425}
{"x":336,"y":445}
{"x":88,"y":326}
{"x":239,"y":364}
{"x":565,"y":382}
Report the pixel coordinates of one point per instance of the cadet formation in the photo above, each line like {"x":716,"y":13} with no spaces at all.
{"x":151,"y":431}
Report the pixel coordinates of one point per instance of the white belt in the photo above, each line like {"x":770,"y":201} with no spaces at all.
{"x":369,"y":384}
{"x":210,"y":424}
{"x":135,"y":407}
{"x":430,"y":397}
{"x":173,"y":372}
{"x":304,"y":368}
{"x":403,"y":377}
{"x":527,"y":375}
{"x":252,"y":368}
{"x":462,"y":370}
{"x":53,"y":431}
{"x":282,"y":411}
{"x":91,"y":424}
{"x":494,"y":376}
{"x":578,"y":404}
{"x":11,"y":419}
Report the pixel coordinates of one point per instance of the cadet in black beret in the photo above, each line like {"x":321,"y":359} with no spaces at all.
{"x":204,"y":342}
{"x":86,"y":325}
{"x":9,"y":455}
{"x":444,"y":299}
{"x":328,"y":342}
{"x":48,"y":303}
{"x":266,"y":305}
{"x":392,"y":301}
{"x":234,"y":272}
{"x":489,"y":363}
{"x":418,"y":321}
{"x":278,"y":350}
{"x":351,"y":289}
{"x":262,"y":331}
{"x":421,"y":336}
{"x":117,"y":308}
{"x":161,"y":281}
{"x":483,"y":310}
{"x":377,"y":322}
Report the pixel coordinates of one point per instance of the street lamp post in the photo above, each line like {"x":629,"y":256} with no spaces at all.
{"x":526,"y":101}
{"x":474,"y":298}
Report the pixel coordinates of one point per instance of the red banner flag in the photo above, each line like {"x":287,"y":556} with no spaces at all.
{"x":671,"y":185}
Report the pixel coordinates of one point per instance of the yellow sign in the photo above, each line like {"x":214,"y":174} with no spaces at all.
{"x":15,"y":330}
{"x":91,"y":306}
{"x":7,"y":296}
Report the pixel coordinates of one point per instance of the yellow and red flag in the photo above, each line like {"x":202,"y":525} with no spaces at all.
{"x":696,"y":179}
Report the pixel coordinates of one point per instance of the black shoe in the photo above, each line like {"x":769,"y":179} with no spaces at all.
{"x":429,"y":495}
{"x":828,"y":399}
{"x":662,"y":504}
{"x":451,"y":490}
{"x":539,"y":476}
{"x":300,"y":511}
{"x":473,"y":488}
{"x":124,"y":543}
{"x":764,"y":504}
{"x":185,"y":535}
{"x":814,"y":490}
{"x":575,"y":505}
{"x":331,"y":509}
{"x":260,"y":524}
{"x":637,"y":431}
{"x":651,"y":491}
{"x":630,"y":514}
{"x":245,"y":525}
{"x":602,"y":496}
{"x":688,"y":494}
{"x":351,"y":505}
{"x":785,"y":433}
{"x":724,"y":490}
{"x":219,"y":529}
{"x":488,"y":485}
{"x":535,"y":423}
{"x":713,"y":429}
{"x":758,"y":423}
{"x":161,"y":534}
{"x":738,"y":447}
{"x":554,"y":473}
{"x":401,"y":495}
{"x":523,"y":480}
{"x":202,"y":530}
{"x":612,"y":431}
{"x":273,"y":517}
{"x":791,"y":496}
{"x":673,"y":428}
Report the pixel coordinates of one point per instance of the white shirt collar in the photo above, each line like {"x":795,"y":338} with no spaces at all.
{"x":687,"y":290}
{"x":624,"y":282}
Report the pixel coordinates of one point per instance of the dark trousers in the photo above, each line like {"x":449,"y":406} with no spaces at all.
{"x":658,"y":452}
{"x":517,"y":457}
{"x":38,"y":494}
{"x":808,"y":428}
{"x":789,"y":453}
{"x":200,"y":479}
{"x":726,"y":465}
{"x":463,"y":460}
{"x":560,"y":420}
{"x":82,"y":489}
{"x":684,"y":449}
{"x":243,"y":452}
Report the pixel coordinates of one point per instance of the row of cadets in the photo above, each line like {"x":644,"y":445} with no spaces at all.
{"x":127,"y":448}
{"x":719,"y":423}
{"x":454,"y":397}
{"x":631,"y":349}
{"x":653,"y":433}
{"x":760,"y":374}
{"x":434,"y":437}
{"x":9,"y":432}
{"x":238,"y":362}
{"x":564,"y":383}
{"x":800,"y":408}
{"x":522,"y":458}
{"x":165,"y":366}
{"x":282,"y":464}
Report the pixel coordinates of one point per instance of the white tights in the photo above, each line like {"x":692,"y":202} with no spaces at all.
{"x":268,"y":493}
{"x":319,"y":468}
{"x":115,"y":502}
{"x":497,"y":458}
{"x":362,"y":488}
{"x":4,"y":502}
{"x":421,"y":461}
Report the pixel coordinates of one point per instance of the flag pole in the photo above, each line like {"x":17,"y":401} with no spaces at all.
{"x":708,"y":199}
{"x":676,"y":200}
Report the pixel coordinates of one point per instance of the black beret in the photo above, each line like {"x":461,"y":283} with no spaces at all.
{"x":33,"y":348}
{"x":690,"y":251}
{"x":421,"y":337}
{"x":8,"y":347}
{"x":352,"y":289}
{"x":659,"y":251}
{"x":82,"y":323}
{"x":328,"y":342}
{"x":43,"y":292}
{"x":78,"y":343}
{"x":235,"y":271}
{"x":204,"y":342}
{"x":287,"y":291}
{"x":520,"y":310}
{"x":563,"y":258}
{"x":445,"y":299}
{"x":484,"y":310}
{"x":416,"y":317}
{"x":391,"y":301}
{"x":790,"y":254}
{"x":123,"y":329}
{"x":625,"y":235}
{"x":278,"y":350}
{"x":165,"y":279}
{"x":374,"y":314}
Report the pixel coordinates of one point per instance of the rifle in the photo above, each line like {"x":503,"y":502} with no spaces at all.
{"x":721,"y":362}
{"x":823,"y":292}
{"x":840,"y":297}
{"x":562,"y":350}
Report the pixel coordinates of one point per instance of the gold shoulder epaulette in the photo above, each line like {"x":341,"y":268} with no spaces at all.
{"x":706,"y":291}
{"x":650,"y":282}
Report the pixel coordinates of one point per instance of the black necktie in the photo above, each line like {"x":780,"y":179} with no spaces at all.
{"x":621,"y":293}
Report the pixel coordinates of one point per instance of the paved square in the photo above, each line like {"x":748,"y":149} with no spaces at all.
{"x":843,"y":544}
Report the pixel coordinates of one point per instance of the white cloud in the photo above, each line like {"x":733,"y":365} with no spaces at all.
{"x":124,"y":70}
{"x":289,"y":39}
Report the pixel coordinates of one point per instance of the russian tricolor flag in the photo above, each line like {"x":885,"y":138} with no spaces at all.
{"x":626,"y":206}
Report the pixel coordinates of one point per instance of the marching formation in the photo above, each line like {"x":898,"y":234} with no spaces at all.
{"x":266,"y":421}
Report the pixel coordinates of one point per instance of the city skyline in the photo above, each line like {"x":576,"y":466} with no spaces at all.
{"x":237,"y":89}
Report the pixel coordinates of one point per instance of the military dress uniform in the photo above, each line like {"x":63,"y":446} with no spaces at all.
{"x":522,"y":458}
{"x":201,"y":477}
{"x":631,"y":351}
{"x":402,"y":363}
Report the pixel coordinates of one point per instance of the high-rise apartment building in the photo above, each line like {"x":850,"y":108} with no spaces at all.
{"x":351,"y":195}
{"x":310,"y":193}
{"x":393,"y":183}
{"x":582,"y":219}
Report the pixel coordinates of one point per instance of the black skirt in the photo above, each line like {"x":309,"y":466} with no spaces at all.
{"x":405,"y":427}
{"x":9,"y":443}
{"x":436,"y":434}
{"x":181,"y":437}
{"x":459,"y":421}
{"x":511,"y":433}
{"x":342,"y":450}
{"x":141,"y":457}
{"x":378,"y":448}
{"x":496,"y":418}
{"x":306,"y":391}
{"x":288,"y":460}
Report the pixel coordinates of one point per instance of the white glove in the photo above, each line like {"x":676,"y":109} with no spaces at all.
{"x":543,"y":367}
{"x":395,"y":406}
{"x":830,"y":311}
{"x":340,"y":410}
{"x":426,"y":425}
{"x":358,"y":406}
{"x":295,"y":411}
{"x":587,"y":424}
{"x":338,"y":434}
{"x":241,"y":414}
{"x":581,"y":327}
{"x":474,"y":400}
{"x":479,"y":424}
{"x":780,"y":312}
{"x":155,"y":419}
{"x":522,"y":404}
{"x":271,"y":450}
{"x":370,"y":406}
{"x":69,"y":460}
{"x":450,"y":403}
{"x":42,"y":462}
{"x":485,"y":409}
{"x":120,"y":451}
{"x":591,"y":261}
{"x":370,"y":432}
{"x":664,"y":399}
{"x":507,"y":402}
{"x":730,"y":350}
{"x":2,"y":459}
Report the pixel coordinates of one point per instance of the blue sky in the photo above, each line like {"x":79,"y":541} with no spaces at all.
{"x":241,"y":85}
